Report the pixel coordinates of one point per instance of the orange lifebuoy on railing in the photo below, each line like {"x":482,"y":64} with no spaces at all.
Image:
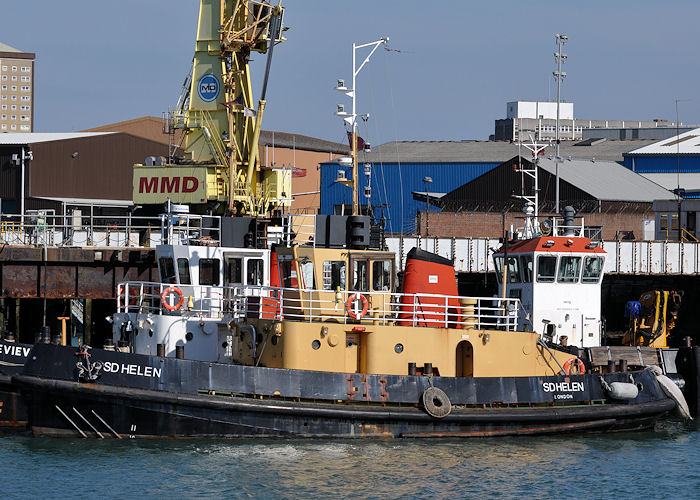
{"x":351,"y":310}
{"x":577,"y":363}
{"x":164,"y":298}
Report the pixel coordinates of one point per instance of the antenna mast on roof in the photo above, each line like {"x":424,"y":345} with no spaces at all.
{"x":532,"y":199}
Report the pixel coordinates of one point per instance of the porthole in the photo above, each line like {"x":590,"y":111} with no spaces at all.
{"x":398,"y":348}
{"x":224,"y":345}
{"x":189,"y":336}
{"x":316,"y":344}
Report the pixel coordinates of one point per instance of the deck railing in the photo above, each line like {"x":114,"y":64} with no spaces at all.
{"x":259,"y":302}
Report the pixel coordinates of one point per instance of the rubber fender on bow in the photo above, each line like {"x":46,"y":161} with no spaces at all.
{"x":672,"y":391}
{"x":436,"y":402}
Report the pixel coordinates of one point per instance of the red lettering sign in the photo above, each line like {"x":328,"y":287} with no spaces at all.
{"x":189,"y":184}
{"x":149,"y":186}
{"x":170,"y":186}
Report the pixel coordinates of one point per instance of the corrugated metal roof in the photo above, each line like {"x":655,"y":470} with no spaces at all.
{"x":10,"y":139}
{"x":607,"y":180}
{"x":302,"y":142}
{"x":489,"y":151}
{"x":689,"y":181}
{"x":88,"y":201}
{"x":687,"y":143}
{"x":6,"y":48}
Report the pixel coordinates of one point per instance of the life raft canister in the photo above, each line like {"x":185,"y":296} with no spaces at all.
{"x":164,"y":298}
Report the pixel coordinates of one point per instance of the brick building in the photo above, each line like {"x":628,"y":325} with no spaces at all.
{"x":16,"y":90}
{"x":612,"y":200}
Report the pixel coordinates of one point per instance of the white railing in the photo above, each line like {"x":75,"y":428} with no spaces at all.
{"x":383,"y":308}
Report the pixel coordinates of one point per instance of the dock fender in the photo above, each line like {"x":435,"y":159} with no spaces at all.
{"x":436,"y":402}
{"x":672,"y":391}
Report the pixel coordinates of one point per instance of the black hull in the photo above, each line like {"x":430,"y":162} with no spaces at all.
{"x":13,"y":412}
{"x":189,"y":400}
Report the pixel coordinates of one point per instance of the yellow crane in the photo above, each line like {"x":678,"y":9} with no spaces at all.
{"x":220,"y":165}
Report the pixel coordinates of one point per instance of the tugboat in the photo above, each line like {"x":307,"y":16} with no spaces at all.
{"x":333,"y":350}
{"x":313,"y":337}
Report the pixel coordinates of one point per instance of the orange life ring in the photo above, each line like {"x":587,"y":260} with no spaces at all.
{"x":349,"y":306}
{"x":164,"y":298}
{"x":579,"y":365}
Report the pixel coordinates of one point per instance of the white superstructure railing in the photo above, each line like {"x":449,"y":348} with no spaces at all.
{"x":259,"y":302}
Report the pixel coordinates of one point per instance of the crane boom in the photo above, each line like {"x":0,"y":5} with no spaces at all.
{"x":218,"y":117}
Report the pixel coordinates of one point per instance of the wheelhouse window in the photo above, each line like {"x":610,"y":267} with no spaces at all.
{"x":167,"y":270}
{"x":359,"y":276}
{"x":209,"y":272}
{"x":183,"y":271}
{"x":546,"y":268}
{"x":381,"y":275}
{"x":526,"y":268}
{"x":592,"y":269}
{"x":513,"y":269}
{"x":307,"y":274}
{"x":255,"y":271}
{"x":569,"y":270}
{"x":234,"y":271}
{"x":334,"y":275}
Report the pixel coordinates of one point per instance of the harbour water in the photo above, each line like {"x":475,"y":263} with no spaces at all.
{"x":663,"y":464}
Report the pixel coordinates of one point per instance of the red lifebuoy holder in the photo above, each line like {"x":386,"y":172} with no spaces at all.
{"x":577,"y":363}
{"x":351,"y":310}
{"x":133,"y":298}
{"x":164,"y":298}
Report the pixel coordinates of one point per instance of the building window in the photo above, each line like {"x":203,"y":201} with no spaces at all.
{"x":14,"y":68}
{"x":14,"y":106}
{"x":3,"y":127}
{"x":4,"y":98}
{"x":4,"y":117}
{"x":14,"y":117}
{"x":25,"y":118}
{"x":4,"y":78}
{"x":26,"y":79}
{"x":25,"y":108}
{"x":24,"y":97}
{"x":26,"y":69}
{"x":4,"y":87}
{"x":25,"y":127}
{"x":13,"y":127}
{"x":4,"y":106}
{"x":26,"y":88}
{"x":14,"y":78}
{"x":14,"y":97}
{"x":4,"y":68}
{"x":14,"y":88}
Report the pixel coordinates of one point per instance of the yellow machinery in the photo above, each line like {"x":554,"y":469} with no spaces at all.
{"x":652,"y":318}
{"x":220,"y":165}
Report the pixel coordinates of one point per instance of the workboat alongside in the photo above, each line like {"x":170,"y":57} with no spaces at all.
{"x":333,"y":350}
{"x":12,"y":357}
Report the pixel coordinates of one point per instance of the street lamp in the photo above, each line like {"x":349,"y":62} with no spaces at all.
{"x":427,"y":181}
{"x":351,"y":118}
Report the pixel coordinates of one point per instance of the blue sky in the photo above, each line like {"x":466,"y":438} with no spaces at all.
{"x":100,"y":62}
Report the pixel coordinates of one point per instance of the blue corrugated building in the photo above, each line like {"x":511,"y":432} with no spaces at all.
{"x":680,"y":153}
{"x":393,"y":185}
{"x":398,"y":169}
